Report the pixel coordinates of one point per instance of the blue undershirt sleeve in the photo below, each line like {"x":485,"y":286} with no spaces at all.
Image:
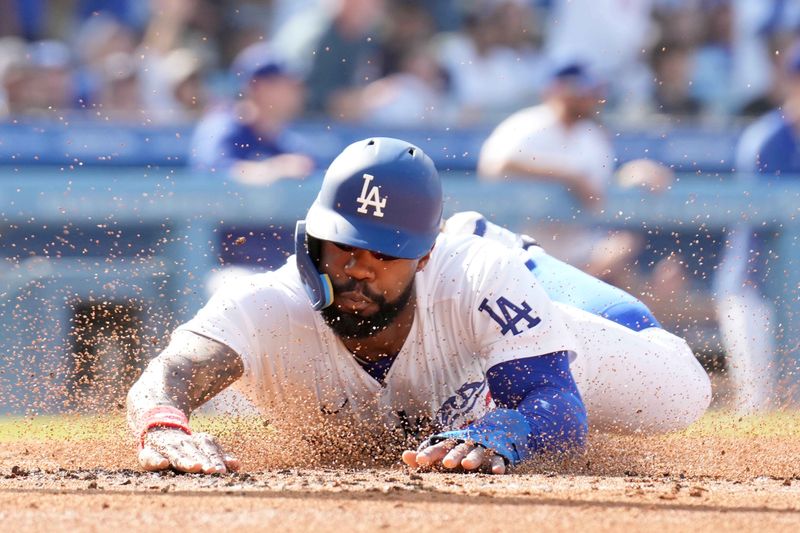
{"x":539,"y":409}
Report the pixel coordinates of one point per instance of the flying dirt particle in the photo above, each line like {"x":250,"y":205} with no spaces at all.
{"x":667,"y":496}
{"x":240,"y":241}
{"x":787,"y":482}
{"x":92,"y":485}
{"x":18,"y":471}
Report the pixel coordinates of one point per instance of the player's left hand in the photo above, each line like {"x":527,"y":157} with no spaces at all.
{"x":451,"y":455}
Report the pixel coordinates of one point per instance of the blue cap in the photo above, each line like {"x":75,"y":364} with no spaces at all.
{"x":259,"y":61}
{"x":380,"y":194}
{"x":578,"y":75}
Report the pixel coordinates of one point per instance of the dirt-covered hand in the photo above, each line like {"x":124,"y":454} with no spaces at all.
{"x":164,"y":448}
{"x":451,"y":455}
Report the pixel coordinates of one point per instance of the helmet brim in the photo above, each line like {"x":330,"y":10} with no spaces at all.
{"x":328,"y":225}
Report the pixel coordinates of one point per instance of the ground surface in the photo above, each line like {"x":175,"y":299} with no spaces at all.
{"x":724,"y":474}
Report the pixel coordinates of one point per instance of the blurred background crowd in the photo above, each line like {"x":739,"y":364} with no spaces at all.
{"x":396,"y":62}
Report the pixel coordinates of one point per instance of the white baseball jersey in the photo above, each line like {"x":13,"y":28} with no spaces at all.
{"x":477,"y":305}
{"x":535,"y":134}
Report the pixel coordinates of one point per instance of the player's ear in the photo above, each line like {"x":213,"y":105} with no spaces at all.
{"x":424,"y":260}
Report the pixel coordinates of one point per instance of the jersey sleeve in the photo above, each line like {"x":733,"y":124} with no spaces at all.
{"x":249,"y":318}
{"x":511,"y":316}
{"x":539,"y":409}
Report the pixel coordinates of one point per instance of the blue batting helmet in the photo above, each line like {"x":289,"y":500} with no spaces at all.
{"x":379,"y":194}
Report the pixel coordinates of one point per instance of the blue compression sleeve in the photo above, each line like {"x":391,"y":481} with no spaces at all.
{"x":540,"y":409}
{"x":544,"y":391}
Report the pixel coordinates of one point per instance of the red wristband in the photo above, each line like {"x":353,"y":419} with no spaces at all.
{"x":163,"y":416}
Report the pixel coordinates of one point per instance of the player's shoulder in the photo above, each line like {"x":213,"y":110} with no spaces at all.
{"x":470,"y":255}
{"x":280,"y":289}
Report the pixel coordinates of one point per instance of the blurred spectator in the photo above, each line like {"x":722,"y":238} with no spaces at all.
{"x":13,"y":71}
{"x":47,"y":83}
{"x":557,"y":141}
{"x":119,"y":97}
{"x":768,"y":150}
{"x":408,"y":26}
{"x":493,"y":64}
{"x":249,"y":142}
{"x":758,"y":28}
{"x":416,"y":95}
{"x":23,"y":18}
{"x":672,"y":66}
{"x":185,"y":84}
{"x":446,"y":14}
{"x":716,"y":57}
{"x":97,"y":39}
{"x":612,"y":37}
{"x":339,"y":48}
{"x":711,"y":51}
{"x":283,"y":11}
{"x":681,"y":21}
{"x":170,"y":57}
{"x":131,"y":13}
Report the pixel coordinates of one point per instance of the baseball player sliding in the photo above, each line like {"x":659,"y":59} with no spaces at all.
{"x":382,"y":318}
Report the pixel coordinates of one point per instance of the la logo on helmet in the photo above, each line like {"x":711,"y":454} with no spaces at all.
{"x":371,"y":198}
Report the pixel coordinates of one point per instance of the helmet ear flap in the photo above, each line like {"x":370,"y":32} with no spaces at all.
{"x":307,"y":255}
{"x":314,"y":247}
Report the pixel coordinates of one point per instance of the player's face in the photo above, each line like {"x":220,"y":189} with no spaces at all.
{"x":369,"y":289}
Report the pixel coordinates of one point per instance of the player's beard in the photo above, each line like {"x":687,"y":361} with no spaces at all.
{"x":349,"y":325}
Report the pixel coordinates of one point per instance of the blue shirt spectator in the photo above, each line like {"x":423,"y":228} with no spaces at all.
{"x":249,"y":143}
{"x":222,"y":140}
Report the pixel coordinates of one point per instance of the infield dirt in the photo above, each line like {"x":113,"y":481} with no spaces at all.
{"x":728,"y":475}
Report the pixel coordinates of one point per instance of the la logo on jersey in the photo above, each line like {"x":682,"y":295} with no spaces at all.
{"x":512,"y":315}
{"x":371,"y":197}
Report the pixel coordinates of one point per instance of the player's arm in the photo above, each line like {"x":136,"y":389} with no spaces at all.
{"x":190,"y":371}
{"x":539,"y":410}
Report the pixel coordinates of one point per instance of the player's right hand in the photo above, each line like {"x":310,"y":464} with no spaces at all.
{"x":172,"y":448}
